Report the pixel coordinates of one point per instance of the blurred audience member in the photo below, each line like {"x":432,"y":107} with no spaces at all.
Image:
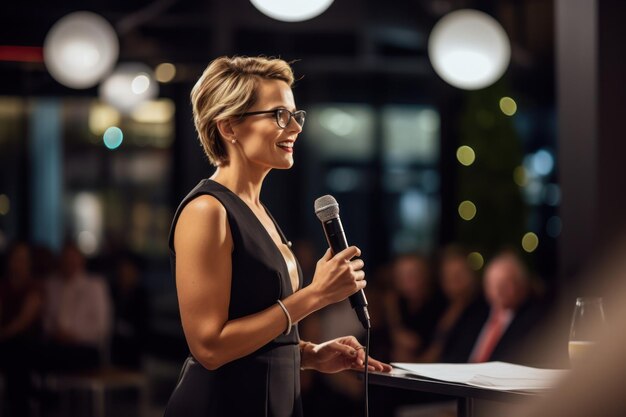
{"x":77,"y":315}
{"x":504,"y":330}
{"x":413,"y":307}
{"x":20,"y":308}
{"x":132,"y":313}
{"x":461,"y":289}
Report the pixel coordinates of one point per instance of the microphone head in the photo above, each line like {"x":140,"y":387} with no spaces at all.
{"x":326,"y":208}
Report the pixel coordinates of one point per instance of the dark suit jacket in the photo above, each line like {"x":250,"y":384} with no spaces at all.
{"x":518,"y":344}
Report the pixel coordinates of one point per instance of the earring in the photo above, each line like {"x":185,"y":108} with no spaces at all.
{"x":233,"y":141}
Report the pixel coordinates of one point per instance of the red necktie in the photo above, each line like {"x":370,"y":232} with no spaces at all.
{"x":493,"y":333}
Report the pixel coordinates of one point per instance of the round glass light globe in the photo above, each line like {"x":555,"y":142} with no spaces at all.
{"x":80,"y":49}
{"x":128,"y":86}
{"x":292,"y":10}
{"x":469,"y":49}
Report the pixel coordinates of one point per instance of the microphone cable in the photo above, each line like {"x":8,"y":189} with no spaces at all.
{"x":366,"y":410}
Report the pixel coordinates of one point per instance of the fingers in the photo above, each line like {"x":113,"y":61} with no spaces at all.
{"x":341,"y":274}
{"x":350,"y":341}
{"x":345,"y":349}
{"x":359,"y":362}
{"x":359,"y":275}
{"x":357,"y":264}
{"x":378,"y":365}
{"x":348,"y":253}
{"x":372,"y":365}
{"x":354,"y":354}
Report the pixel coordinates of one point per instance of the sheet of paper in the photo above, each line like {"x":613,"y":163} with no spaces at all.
{"x":492,"y":375}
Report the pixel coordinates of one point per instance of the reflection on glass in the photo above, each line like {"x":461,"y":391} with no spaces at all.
{"x":587,"y":321}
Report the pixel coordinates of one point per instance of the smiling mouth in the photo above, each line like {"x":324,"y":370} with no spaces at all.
{"x":285,"y":146}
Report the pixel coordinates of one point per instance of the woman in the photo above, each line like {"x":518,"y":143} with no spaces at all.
{"x":413,"y":307}
{"x":238,"y":283}
{"x":461,"y":289}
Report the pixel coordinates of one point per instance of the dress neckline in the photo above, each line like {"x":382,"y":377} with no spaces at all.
{"x":283,"y":238}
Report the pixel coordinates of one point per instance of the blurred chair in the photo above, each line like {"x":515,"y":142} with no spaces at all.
{"x":96,"y":384}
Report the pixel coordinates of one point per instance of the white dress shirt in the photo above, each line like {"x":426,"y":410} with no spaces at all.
{"x":81,"y":307}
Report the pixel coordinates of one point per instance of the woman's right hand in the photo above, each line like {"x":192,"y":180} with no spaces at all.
{"x":338,"y":277}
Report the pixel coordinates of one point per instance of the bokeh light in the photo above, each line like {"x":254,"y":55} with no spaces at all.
{"x":88,"y":219}
{"x":340,"y":122}
{"x":292,"y":10}
{"x":80,"y":49}
{"x":469,"y":49}
{"x":130,"y":85}
{"x":465,"y":155}
{"x":165,"y":72}
{"x":542,"y":162}
{"x":530,"y":241}
{"x":475,"y":261}
{"x":467,"y":210}
{"x":508,"y":106}
{"x":101,"y":117}
{"x":87,"y":242}
{"x":154,"y":111}
{"x":140,"y":84}
{"x":113,"y":137}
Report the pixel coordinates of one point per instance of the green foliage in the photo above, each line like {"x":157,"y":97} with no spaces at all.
{"x":488,"y":182}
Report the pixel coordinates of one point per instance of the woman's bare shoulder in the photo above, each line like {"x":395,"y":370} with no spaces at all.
{"x":202,"y":214}
{"x":202,"y":209}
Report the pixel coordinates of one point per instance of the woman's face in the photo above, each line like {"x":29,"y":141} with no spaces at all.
{"x":259,"y":138}
{"x":411,"y":277}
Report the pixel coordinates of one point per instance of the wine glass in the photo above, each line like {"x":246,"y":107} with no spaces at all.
{"x":587,"y":322}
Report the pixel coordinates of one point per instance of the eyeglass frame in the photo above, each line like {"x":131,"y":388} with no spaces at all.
{"x":275,"y":111}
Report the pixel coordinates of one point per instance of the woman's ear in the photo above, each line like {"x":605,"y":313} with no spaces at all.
{"x":225,"y":127}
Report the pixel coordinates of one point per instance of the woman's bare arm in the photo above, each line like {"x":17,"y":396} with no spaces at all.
{"x":203,"y":244}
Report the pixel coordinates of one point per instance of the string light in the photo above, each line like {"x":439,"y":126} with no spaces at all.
{"x":508,"y":106}
{"x":467,"y":210}
{"x":465,"y":155}
{"x":530,"y":241}
{"x":475,"y":261}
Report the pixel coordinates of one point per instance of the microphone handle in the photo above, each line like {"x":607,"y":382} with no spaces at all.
{"x":337,"y":242}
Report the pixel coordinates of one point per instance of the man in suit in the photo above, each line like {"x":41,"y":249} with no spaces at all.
{"x":500,"y":329}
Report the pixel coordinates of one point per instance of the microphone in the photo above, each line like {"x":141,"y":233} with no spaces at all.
{"x":327,"y":210}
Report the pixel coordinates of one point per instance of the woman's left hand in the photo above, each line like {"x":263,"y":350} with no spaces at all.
{"x":338,"y":355}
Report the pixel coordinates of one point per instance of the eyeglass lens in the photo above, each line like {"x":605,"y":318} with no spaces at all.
{"x":284,"y":117}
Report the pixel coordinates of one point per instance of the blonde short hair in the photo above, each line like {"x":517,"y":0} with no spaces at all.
{"x":228,"y":87}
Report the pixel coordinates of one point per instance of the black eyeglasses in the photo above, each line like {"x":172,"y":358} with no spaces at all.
{"x":283,"y":116}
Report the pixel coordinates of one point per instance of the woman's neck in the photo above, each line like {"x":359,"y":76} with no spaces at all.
{"x":243,"y":181}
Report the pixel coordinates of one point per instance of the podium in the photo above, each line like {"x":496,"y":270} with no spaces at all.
{"x":465,"y":395}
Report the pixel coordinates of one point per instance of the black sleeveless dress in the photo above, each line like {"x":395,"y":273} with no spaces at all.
{"x":265,"y":383}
